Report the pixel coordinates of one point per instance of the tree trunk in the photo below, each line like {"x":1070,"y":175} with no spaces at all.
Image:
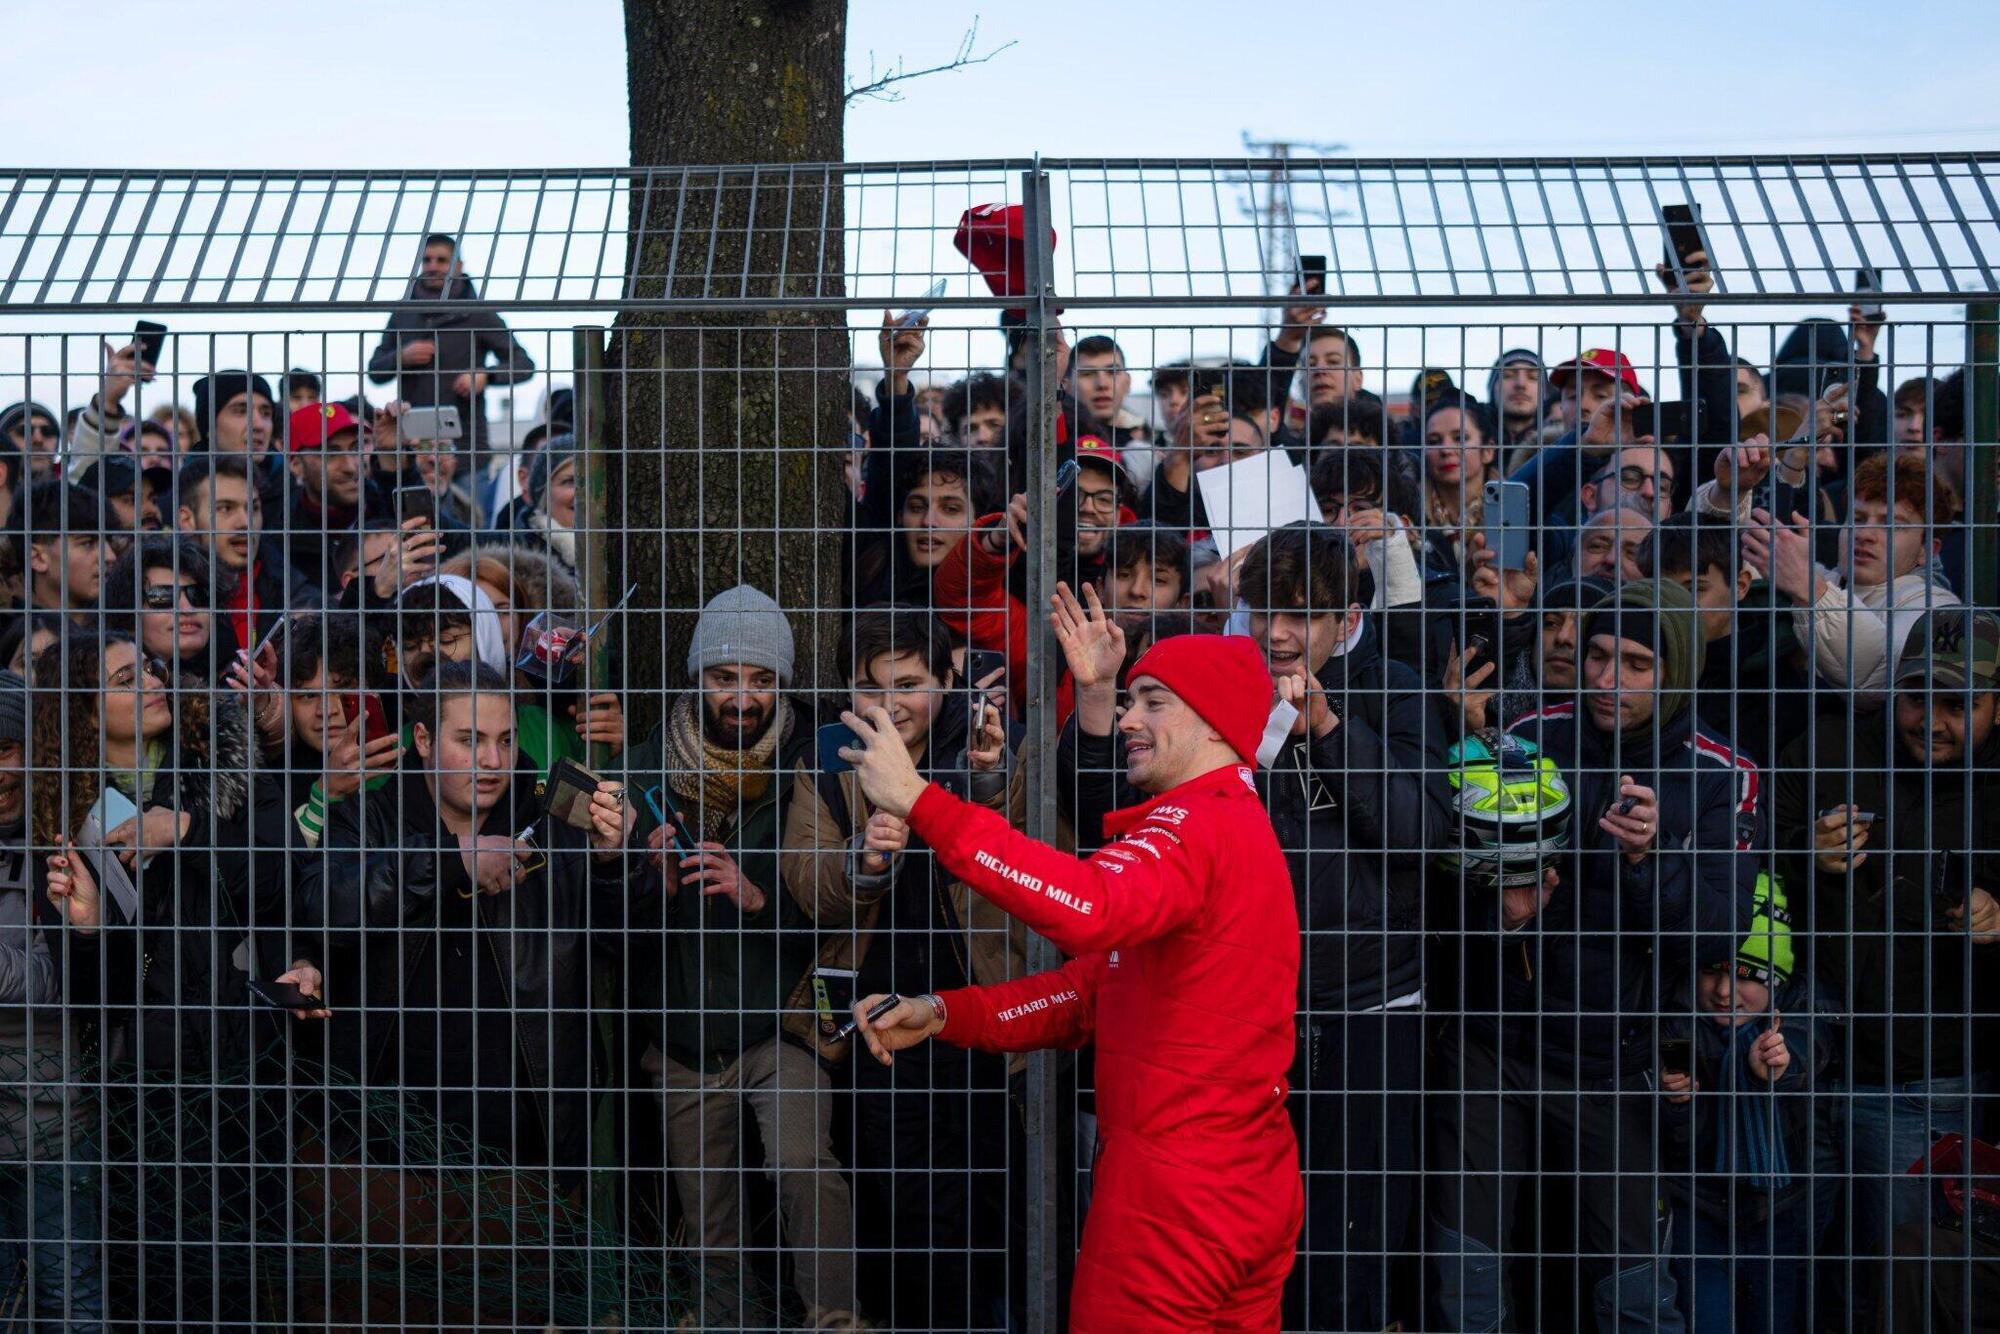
{"x":733,"y":422}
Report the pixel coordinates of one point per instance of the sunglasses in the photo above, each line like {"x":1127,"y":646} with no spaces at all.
{"x":165,"y":597}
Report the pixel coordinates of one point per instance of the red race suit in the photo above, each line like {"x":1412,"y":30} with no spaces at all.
{"x":1185,"y":939}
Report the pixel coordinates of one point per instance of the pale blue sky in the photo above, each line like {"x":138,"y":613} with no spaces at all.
{"x":437,"y":83}
{"x":434,"y":83}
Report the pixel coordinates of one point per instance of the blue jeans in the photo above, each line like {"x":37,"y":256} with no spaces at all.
{"x":1743,"y":1278}
{"x":50,"y":1266}
{"x":1890,"y":1127}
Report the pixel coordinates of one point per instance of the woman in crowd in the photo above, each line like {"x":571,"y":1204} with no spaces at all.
{"x":1458,"y":463}
{"x":180,"y":906}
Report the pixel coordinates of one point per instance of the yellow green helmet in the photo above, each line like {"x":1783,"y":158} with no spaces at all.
{"x":1765,"y":954}
{"x":1513,"y":807}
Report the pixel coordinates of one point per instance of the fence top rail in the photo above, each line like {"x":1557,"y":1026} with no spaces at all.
{"x":1132,"y":232}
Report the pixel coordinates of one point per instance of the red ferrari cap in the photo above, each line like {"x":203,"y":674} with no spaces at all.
{"x":1602,"y":360}
{"x":316,"y":423}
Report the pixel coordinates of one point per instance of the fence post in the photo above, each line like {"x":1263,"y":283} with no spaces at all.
{"x":1044,"y":1229}
{"x":593,"y":472}
{"x":1982,"y":440}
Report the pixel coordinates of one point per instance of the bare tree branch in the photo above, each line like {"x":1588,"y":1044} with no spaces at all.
{"x":879,"y":86}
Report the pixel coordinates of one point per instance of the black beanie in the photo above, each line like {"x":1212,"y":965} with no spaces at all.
{"x":213,"y":392}
{"x":1659,"y":614}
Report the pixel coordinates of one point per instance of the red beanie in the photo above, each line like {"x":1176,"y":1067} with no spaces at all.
{"x":1222,"y":677}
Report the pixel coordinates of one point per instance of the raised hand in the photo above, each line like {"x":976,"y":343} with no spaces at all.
{"x":72,"y":889}
{"x":1092,"y":642}
{"x":882,"y":763}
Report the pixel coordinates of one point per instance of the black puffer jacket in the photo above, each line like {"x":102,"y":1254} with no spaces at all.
{"x":1354,"y":812}
{"x":378,"y":877}
{"x":1920,"y":996}
{"x":1580,"y":981}
{"x":211,"y":906}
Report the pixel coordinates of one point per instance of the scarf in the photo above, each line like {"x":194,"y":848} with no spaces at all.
{"x":561,"y":540}
{"x":720,"y":779}
{"x":1752,"y":1145}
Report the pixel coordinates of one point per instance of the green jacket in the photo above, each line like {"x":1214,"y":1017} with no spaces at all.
{"x":713,"y":987}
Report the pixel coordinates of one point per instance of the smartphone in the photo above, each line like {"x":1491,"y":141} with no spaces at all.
{"x":1682,"y":223}
{"x":284,"y":995}
{"x":429,"y":424}
{"x":416,"y":502}
{"x":981,"y":663}
{"x":1677,"y":1054}
{"x":1679,"y":422}
{"x":1507,"y":528}
{"x":910,"y":318}
{"x":369,"y":708}
{"x":1312,"y":274}
{"x":665,"y":817}
{"x":152,"y":340}
{"x":1867,"y":281}
{"x":1208,"y":381}
{"x":1947,"y":874}
{"x":831,"y":740}
{"x":270,"y":636}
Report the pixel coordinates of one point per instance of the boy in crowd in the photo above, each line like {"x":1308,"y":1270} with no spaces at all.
{"x":1856,"y":619}
{"x":1739,"y":1144}
{"x":935,"y":1132}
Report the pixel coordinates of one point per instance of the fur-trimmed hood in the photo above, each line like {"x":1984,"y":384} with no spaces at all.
{"x":213,"y":750}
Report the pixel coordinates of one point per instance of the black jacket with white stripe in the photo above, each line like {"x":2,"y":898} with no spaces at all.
{"x":1579,"y":983}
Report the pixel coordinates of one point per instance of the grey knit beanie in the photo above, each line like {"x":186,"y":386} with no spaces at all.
{"x":556,"y":451}
{"x":743,"y":625}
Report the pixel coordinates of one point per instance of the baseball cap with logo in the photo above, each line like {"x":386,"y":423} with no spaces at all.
{"x":1602,"y":360}
{"x":316,"y":423}
{"x":1094,"y":449}
{"x":1952,"y":648}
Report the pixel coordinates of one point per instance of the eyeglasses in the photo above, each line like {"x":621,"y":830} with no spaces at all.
{"x":1633,"y":478}
{"x":165,"y":597}
{"x":127,"y":678}
{"x":1102,"y":502}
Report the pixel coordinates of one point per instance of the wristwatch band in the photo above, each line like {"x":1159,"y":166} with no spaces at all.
{"x":937,"y":1005}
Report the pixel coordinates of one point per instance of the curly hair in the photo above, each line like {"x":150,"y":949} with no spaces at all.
{"x":66,"y":769}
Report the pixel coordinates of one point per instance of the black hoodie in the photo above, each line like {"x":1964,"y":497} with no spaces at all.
{"x":466,"y":333}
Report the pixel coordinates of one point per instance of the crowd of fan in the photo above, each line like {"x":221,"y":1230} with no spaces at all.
{"x":1674,"y":1039}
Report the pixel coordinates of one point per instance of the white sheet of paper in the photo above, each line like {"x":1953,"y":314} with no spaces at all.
{"x":1248,"y":498}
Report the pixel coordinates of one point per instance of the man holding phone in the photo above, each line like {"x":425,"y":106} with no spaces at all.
{"x":97,"y":426}
{"x":711,"y":788}
{"x":1185,"y":976}
{"x":1669,"y":832}
{"x":452,"y":348}
{"x":1864,"y":804}
{"x":329,"y":490}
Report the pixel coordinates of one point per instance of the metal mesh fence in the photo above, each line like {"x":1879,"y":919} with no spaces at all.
{"x":447,"y":831}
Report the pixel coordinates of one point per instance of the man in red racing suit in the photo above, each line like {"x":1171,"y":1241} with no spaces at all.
{"x":1186,"y":944}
